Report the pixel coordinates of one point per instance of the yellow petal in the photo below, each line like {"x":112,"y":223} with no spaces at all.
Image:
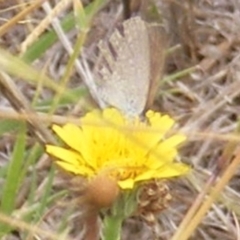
{"x":163,"y":154}
{"x":147,"y":175}
{"x":175,"y":140}
{"x":113,"y":115}
{"x":159,"y":126}
{"x":163,"y":123}
{"x":166,"y":150}
{"x":90,"y":123}
{"x":64,"y":155}
{"x":172,"y":170}
{"x":79,"y":169}
{"x":126,"y":184}
{"x":154,"y":162}
{"x":71,"y":135}
{"x":69,"y":160}
{"x":75,"y":138}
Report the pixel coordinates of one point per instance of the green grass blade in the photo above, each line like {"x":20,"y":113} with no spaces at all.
{"x":47,"y":40}
{"x":11,"y":186}
{"x":46,"y":195}
{"x":36,"y":50}
{"x":7,"y":126}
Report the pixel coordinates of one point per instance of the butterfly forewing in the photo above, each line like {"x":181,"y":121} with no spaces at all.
{"x":123,"y":78}
{"x":128,"y":64}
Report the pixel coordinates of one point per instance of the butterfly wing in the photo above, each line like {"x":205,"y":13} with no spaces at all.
{"x":157,"y":46}
{"x":122,"y":77}
{"x":127,"y":67}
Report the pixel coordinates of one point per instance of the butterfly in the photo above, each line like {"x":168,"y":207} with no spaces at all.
{"x":130,"y":66}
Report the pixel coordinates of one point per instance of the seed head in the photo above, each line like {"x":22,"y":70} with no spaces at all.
{"x":102,"y":191}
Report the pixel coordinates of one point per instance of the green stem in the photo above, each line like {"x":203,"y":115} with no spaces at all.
{"x":112,"y":227}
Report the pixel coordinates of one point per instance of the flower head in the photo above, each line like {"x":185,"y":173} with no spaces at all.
{"x":128,"y":150}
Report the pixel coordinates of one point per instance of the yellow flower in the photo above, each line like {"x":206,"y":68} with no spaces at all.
{"x":128,"y":150}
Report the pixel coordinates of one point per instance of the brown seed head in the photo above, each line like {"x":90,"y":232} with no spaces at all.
{"x":102,"y":191}
{"x":154,"y":197}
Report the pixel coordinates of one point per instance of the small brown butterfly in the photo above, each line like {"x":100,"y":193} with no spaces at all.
{"x":130,"y":66}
